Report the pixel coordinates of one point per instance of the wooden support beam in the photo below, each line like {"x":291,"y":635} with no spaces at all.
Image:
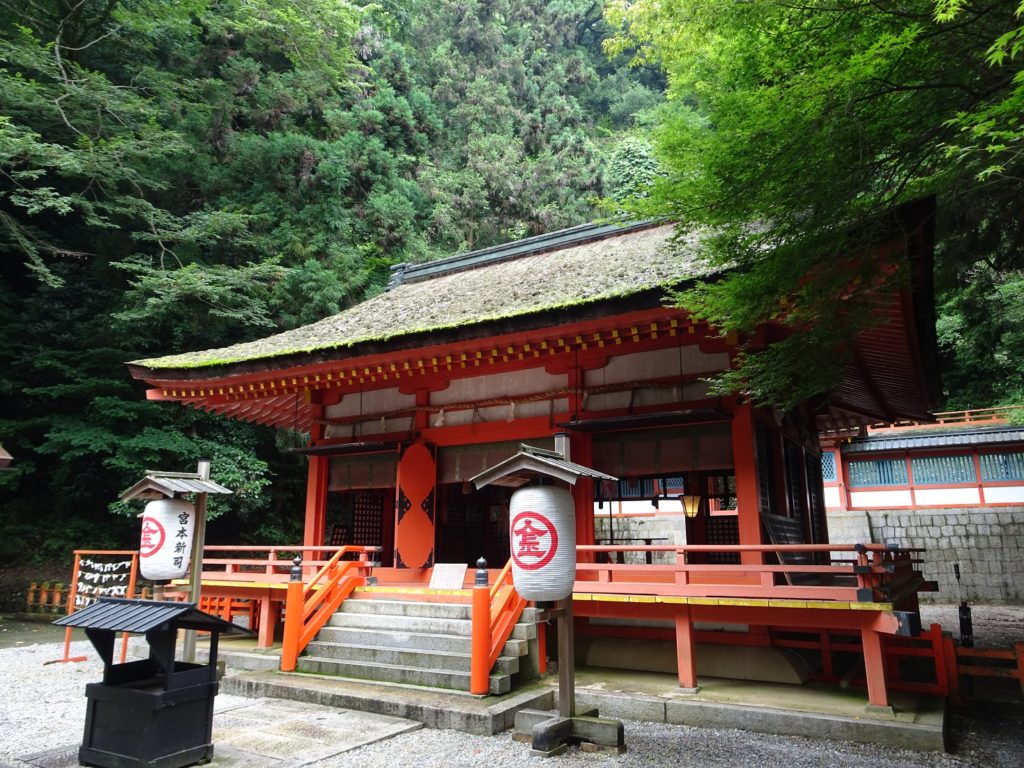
{"x":686,"y":659}
{"x":874,"y":668}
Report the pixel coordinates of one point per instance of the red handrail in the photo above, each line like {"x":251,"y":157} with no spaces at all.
{"x":496,"y":610}
{"x":868,"y":573}
{"x":309,"y":605}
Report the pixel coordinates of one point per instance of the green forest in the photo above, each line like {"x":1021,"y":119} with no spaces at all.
{"x":184,"y":175}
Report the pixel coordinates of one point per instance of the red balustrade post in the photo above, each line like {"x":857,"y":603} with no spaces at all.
{"x":479,"y":671}
{"x":293,"y":618}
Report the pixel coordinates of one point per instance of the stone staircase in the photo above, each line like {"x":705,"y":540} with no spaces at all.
{"x":415,"y":643}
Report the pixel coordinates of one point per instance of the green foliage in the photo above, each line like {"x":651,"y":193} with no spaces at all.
{"x":186,"y":175}
{"x":631,"y":170}
{"x":794,"y":128}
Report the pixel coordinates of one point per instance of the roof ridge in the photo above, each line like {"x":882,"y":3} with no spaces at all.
{"x":529,"y":246}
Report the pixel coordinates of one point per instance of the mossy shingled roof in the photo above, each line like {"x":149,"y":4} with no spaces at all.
{"x":613,"y":267}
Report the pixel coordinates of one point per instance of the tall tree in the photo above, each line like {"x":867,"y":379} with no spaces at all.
{"x":792,"y":130}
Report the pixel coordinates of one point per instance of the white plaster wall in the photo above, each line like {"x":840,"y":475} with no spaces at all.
{"x":498,"y":385}
{"x":880,"y":499}
{"x":945,"y":497}
{"x":1004,"y":494}
{"x":368,"y":403}
{"x":658,"y":363}
{"x":832,"y":497}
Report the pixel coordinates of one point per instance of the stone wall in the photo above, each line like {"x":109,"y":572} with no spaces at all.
{"x":670,"y":528}
{"x":987,"y":542}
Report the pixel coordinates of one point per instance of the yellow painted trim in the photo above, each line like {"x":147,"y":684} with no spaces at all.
{"x":612,"y":598}
{"x":870,"y":606}
{"x":787,"y":603}
{"x":643,"y":599}
{"x":828,"y":606}
{"x":707,"y":601}
{"x":674,"y":600}
{"x":744,"y":602}
{"x":413,"y":591}
{"x":247,"y":584}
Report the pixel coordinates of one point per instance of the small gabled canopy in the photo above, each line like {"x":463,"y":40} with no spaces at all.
{"x":532,"y":462}
{"x":160,"y":485}
{"x":115,"y":614}
{"x":5,"y":458}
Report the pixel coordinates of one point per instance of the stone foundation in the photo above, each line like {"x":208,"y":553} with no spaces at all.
{"x":988,"y":543}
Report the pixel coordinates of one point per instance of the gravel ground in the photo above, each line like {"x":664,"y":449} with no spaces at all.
{"x":42,"y":706}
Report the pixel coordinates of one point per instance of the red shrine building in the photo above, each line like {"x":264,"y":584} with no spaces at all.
{"x":460,"y":362}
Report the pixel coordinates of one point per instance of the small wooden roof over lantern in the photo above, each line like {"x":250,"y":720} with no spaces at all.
{"x":168,"y":485}
{"x":5,"y":459}
{"x":532,"y":463}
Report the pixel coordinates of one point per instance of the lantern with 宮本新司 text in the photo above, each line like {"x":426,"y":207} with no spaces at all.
{"x":542,"y":538}
{"x":166,"y":544}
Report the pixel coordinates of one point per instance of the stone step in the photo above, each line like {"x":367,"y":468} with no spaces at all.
{"x":455,"y":662}
{"x":391,"y":673}
{"x":481,"y":715}
{"x":412,"y":641}
{"x":461,"y":627}
{"x":379,"y":607}
{"x":385,"y":607}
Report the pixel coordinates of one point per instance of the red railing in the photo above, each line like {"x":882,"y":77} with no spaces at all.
{"x":496,"y":609}
{"x":975,"y":416}
{"x":864,"y":572}
{"x":242,"y":562}
{"x":310,"y":604}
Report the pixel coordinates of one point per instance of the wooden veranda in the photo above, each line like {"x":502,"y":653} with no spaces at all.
{"x":847,"y":598}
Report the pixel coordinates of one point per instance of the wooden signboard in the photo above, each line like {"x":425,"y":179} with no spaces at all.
{"x":448,"y":576}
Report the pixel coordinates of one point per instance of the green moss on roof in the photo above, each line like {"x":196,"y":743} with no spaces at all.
{"x":610,"y":268}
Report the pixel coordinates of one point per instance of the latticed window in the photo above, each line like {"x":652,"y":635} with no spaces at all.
{"x":864,"y":474}
{"x":943,"y":470}
{"x":828,"y":467}
{"x":1002,"y":466}
{"x":793,"y":458}
{"x":765,"y":475}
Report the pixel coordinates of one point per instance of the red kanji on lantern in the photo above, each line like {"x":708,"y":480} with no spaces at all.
{"x":152,"y":537}
{"x":534,"y":540}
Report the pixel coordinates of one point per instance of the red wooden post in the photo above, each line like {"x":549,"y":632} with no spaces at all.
{"x":952,"y":668}
{"x":686,"y":659}
{"x":1018,"y":649}
{"x":133,"y":576}
{"x":479,"y":673}
{"x":874,"y":667}
{"x":747,"y":497}
{"x":316,"y":501}
{"x":825,"y":638}
{"x":293,"y":618}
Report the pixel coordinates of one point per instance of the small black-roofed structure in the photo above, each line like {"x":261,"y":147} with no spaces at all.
{"x":533,"y":462}
{"x":154,"y":712}
{"x":167,"y":485}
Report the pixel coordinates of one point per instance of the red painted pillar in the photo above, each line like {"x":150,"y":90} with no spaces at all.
{"x":686,"y":659}
{"x":583,"y":491}
{"x":748,"y":499}
{"x":874,"y":667}
{"x":317,"y":476}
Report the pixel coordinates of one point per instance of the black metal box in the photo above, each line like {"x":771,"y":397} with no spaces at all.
{"x":155,"y":712}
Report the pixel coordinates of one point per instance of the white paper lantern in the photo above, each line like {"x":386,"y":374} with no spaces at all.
{"x":166,"y":544}
{"x":542,"y":537}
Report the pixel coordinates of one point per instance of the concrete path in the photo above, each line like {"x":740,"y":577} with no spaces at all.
{"x":269,"y":733}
